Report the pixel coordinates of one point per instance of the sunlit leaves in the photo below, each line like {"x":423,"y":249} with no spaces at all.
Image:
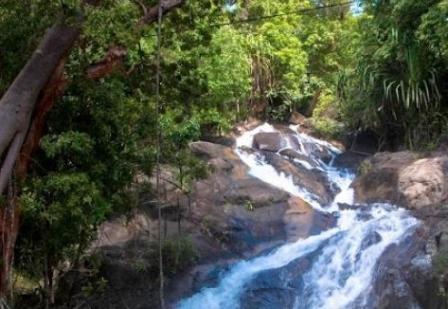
{"x":226,"y":67}
{"x":61,"y":212}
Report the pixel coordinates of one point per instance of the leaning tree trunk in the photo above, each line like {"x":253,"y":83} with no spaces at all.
{"x":52,"y":91}
{"x":17,"y":105}
{"x":16,"y":108}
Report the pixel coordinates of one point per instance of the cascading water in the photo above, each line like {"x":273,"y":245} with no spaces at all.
{"x":342,"y":272}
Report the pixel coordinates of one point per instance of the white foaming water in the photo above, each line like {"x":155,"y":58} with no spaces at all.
{"x":225,"y":295}
{"x":343,"y":270}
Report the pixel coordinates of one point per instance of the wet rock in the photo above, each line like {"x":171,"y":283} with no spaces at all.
{"x":403,"y":276}
{"x":277,"y":288}
{"x":370,"y":240}
{"x":294,"y":142}
{"x":294,"y":155}
{"x":272,"y":296}
{"x":344,"y":206}
{"x":302,"y":221}
{"x":364,"y":216}
{"x":312,"y":180}
{"x":247,"y":150}
{"x":318,"y":151}
{"x":210,"y":276}
{"x":269,"y":141}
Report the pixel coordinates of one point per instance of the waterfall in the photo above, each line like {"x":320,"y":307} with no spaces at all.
{"x":343,"y":270}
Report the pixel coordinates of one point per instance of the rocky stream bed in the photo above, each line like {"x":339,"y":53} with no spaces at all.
{"x":286,"y":220}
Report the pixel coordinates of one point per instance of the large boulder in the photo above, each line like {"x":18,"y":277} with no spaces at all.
{"x":423,"y":182}
{"x":207,"y":150}
{"x":232,"y":210}
{"x":269,"y":141}
{"x":404,"y":276}
{"x":251,"y":192}
{"x":403,"y":178}
{"x":279,"y":287}
{"x":409,"y":274}
{"x":378,"y":177}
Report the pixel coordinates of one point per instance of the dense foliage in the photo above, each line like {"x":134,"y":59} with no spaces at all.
{"x":398,"y":86}
{"x":384,"y":69}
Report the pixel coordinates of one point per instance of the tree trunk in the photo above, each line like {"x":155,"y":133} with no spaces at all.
{"x":18,"y":103}
{"x":9,"y":215}
{"x":48,"y":282}
{"x":16,"y":108}
{"x":261,"y":83}
{"x":54,"y":89}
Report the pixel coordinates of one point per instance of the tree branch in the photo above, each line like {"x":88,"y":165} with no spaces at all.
{"x":113,"y":60}
{"x":152,"y":14}
{"x":8,"y":163}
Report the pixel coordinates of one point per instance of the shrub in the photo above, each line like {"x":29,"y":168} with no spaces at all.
{"x":326,"y":127}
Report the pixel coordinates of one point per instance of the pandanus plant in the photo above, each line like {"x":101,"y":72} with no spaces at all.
{"x":418,"y":88}
{"x":407,"y":91}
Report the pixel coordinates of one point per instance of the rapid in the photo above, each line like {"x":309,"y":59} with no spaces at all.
{"x":344,"y":256}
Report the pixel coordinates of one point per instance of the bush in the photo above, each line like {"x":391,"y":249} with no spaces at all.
{"x":326,"y":106}
{"x":327,"y":128}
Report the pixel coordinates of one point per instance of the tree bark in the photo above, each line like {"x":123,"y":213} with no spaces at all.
{"x":18,"y":103}
{"x":16,"y":108}
{"x":9,"y":227}
{"x":58,"y":83}
{"x":53,"y":90}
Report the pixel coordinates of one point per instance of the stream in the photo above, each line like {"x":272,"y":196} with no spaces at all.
{"x":343,"y":257}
